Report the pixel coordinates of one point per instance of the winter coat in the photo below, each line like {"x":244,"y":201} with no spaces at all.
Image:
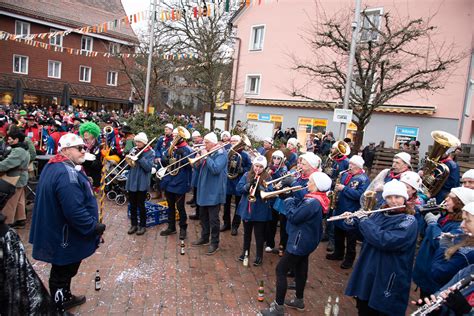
{"x":93,"y":168}
{"x":292,"y":160}
{"x":212,"y":180}
{"x":443,"y":270}
{"x":304,"y":225}
{"x":33,"y":133}
{"x":279,"y":204}
{"x":64,"y":216}
{"x":338,"y":166}
{"x":382,"y":274}
{"x":422,"y":271}
{"x":139,"y":176}
{"x":162,"y":145}
{"x":453,"y":180}
{"x":258,"y":211}
{"x":180,"y":183}
{"x":246,"y":165}
{"x":467,"y":292}
{"x":348,"y":199}
{"x":16,"y":164}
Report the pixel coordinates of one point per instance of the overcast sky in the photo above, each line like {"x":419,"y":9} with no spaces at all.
{"x":133,"y":6}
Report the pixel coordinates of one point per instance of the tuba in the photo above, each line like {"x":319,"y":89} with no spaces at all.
{"x":436,"y":173}
{"x":370,"y":200}
{"x":183,"y":133}
{"x":235,"y":159}
{"x":339,"y":149}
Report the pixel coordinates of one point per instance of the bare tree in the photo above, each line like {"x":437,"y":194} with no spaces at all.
{"x":208,"y":37}
{"x":393,"y":57}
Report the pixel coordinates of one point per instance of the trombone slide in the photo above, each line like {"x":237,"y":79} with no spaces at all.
{"x":268,"y":195}
{"x":351,"y":215}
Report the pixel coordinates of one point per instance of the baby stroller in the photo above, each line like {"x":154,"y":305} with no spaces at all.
{"x":116,"y":190}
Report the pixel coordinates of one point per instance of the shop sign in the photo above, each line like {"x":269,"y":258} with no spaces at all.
{"x":252,"y":116}
{"x":342,"y":116}
{"x":406,"y":131}
{"x":320,"y":122}
{"x":352,"y":126}
{"x":305,"y":121}
{"x":264,"y":117}
{"x":276,"y":118}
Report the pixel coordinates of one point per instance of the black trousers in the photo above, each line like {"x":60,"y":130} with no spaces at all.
{"x":259,"y":232}
{"x":210,"y":223}
{"x":176,"y":201}
{"x":283,"y":233}
{"x":60,"y":278}
{"x":226,"y":217}
{"x":364,"y":309}
{"x":137,"y":202}
{"x":270,"y":229}
{"x":345,"y":243}
{"x":288,"y":262}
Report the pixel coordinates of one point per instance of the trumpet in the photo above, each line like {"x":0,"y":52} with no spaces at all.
{"x":192,"y":161}
{"x":268,"y":195}
{"x":128,"y":160}
{"x":294,"y":173}
{"x":351,"y":215}
{"x":252,"y":198}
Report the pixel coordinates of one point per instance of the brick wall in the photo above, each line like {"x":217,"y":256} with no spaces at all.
{"x":38,"y":57}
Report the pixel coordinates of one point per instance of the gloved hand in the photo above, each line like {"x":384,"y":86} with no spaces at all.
{"x":134,"y":158}
{"x":247,"y":187}
{"x":458,"y":303}
{"x":99,"y":229}
{"x":287,"y":181}
{"x":430,"y":218}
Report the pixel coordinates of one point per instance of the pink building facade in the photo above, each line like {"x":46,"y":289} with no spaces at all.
{"x":269,"y":35}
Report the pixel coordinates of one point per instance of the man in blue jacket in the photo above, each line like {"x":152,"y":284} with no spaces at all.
{"x":65,"y":228}
{"x":211,"y":191}
{"x":453,"y":180}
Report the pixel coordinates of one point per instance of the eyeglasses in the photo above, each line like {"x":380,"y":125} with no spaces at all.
{"x":79,"y":148}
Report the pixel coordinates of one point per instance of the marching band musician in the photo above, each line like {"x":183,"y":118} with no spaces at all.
{"x":292,"y":146}
{"x":413,"y":183}
{"x":197,"y":140}
{"x":307,"y":163}
{"x":352,"y":186}
{"x":238,"y":164}
{"x":267,"y":145}
{"x":176,"y":186}
{"x":305,"y":231}
{"x":468,"y":179}
{"x":381,"y":278}
{"x":163,"y":143}
{"x":400,"y":164}
{"x":138,"y":182}
{"x":256,"y":213}
{"x":450,"y":223}
{"x":225,"y":138}
{"x":90,"y":133}
{"x":340,"y":162}
{"x":276,"y":170}
{"x":453,"y":179}
{"x":211,"y":192}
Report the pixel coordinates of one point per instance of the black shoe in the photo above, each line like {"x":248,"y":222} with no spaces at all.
{"x":167,"y":232}
{"x":234,"y":231}
{"x":334,"y":256}
{"x":132,"y":230}
{"x":325,"y":238}
{"x":200,"y":242}
{"x":194,"y":217}
{"x":258,"y":261}
{"x":141,"y":231}
{"x":291,"y":286}
{"x":296,"y":303}
{"x":74,"y":301}
{"x":212,"y":250}
{"x":224,"y":228}
{"x":19,"y":224}
{"x":193,"y":201}
{"x":241,"y":258}
{"x":182,"y":233}
{"x":346,"y":264}
{"x":330,"y":247}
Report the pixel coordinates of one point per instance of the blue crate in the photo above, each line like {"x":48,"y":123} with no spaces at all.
{"x":155,"y":214}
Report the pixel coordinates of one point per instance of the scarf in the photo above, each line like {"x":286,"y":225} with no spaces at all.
{"x":341,"y":158}
{"x":350,"y":175}
{"x":322,"y":198}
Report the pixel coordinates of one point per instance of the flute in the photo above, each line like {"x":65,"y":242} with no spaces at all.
{"x":351,"y":215}
{"x":428,"y":308}
{"x":453,"y":236}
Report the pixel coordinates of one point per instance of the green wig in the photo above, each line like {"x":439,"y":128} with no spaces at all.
{"x":91,"y":128}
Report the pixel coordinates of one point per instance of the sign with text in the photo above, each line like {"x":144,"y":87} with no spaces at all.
{"x":264,"y":117}
{"x":305,"y":121}
{"x":342,"y":116}
{"x":406,"y":131}
{"x":320,"y":122}
{"x":276,"y":118}
{"x":252,"y":116}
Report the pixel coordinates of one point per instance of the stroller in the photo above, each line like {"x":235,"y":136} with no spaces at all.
{"x":116,"y":190}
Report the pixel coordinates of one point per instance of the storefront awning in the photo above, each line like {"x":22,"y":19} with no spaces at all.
{"x":323,"y":105}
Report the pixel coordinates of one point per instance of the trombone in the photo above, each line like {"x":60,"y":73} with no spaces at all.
{"x":252,"y":198}
{"x":123,"y":168}
{"x":294,"y":173}
{"x":268,"y":195}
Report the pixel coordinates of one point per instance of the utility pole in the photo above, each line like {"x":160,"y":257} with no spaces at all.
{"x":150,"y":55}
{"x":347,"y":92}
{"x":466,"y":111}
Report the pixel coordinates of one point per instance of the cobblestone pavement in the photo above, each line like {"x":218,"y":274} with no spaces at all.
{"x":146,"y":275}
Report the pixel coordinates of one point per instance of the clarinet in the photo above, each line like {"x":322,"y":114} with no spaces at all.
{"x":426,"y":309}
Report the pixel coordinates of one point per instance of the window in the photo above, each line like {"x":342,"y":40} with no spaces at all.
{"x":253,"y":84}
{"x":86,"y":43}
{"x":85,"y":74}
{"x":54,"y":69}
{"x":112,"y":78}
{"x":56,"y":40}
{"x":370,"y":25}
{"x":22,"y":28}
{"x":258,"y":32}
{"x":20,"y":64}
{"x":114,"y":48}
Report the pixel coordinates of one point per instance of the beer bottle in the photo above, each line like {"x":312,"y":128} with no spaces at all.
{"x":261,"y":292}
{"x":328,"y":307}
{"x":97,"y":281}
{"x":335,"y":308}
{"x":246,"y":259}
{"x":182,"y":248}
